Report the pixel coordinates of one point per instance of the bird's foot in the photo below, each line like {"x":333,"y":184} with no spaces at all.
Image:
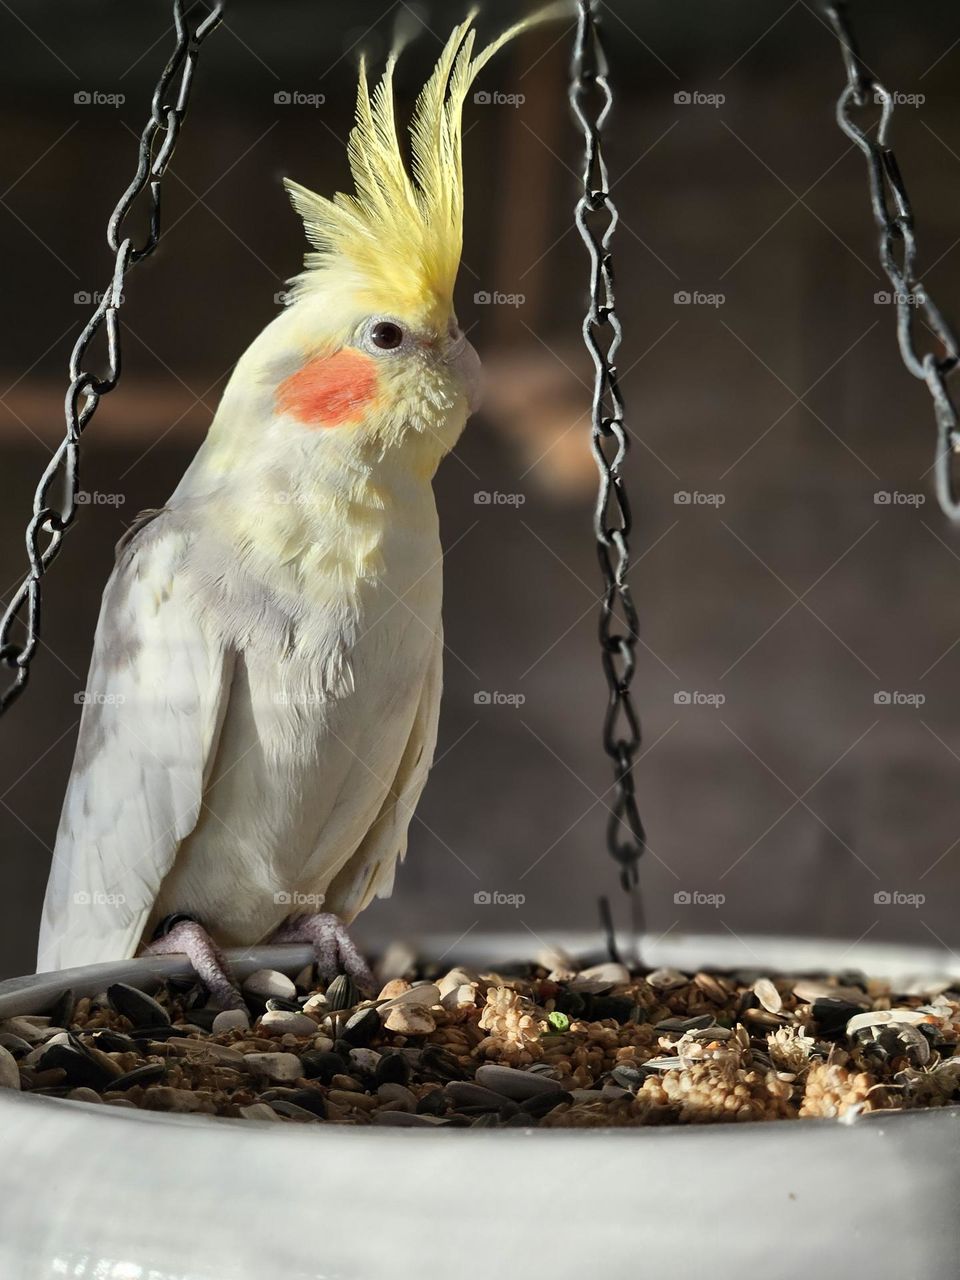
{"x":189,"y":938}
{"x":333,"y":947}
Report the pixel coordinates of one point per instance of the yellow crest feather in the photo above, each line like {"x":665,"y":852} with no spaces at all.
{"x":398,"y":240}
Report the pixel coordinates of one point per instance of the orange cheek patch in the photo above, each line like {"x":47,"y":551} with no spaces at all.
{"x":329,"y":390}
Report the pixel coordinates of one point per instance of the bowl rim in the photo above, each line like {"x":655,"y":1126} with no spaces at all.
{"x":790,"y":955}
{"x":21,"y":996}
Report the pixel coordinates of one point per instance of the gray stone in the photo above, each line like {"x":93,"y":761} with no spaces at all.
{"x":258,"y":1111}
{"x":467,"y":1094}
{"x":9,"y":1071}
{"x":398,"y":1096}
{"x":407,"y":1120}
{"x":229,"y":1020}
{"x":515,"y":1084}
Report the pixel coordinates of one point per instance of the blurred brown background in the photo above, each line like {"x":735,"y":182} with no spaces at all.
{"x":783,"y":586}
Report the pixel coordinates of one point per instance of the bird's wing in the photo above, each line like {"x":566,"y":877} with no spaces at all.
{"x":370,"y":872}
{"x":154,"y":703}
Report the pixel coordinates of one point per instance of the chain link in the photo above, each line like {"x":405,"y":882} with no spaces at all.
{"x":51,"y":519}
{"x":898,"y":252}
{"x":596,"y":219}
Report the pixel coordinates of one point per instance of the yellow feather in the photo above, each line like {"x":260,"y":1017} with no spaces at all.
{"x":397,"y":241}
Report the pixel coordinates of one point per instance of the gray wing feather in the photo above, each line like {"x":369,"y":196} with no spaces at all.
{"x":154,"y":703}
{"x":370,"y":872}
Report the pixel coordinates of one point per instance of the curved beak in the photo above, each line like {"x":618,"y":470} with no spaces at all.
{"x":463,"y":357}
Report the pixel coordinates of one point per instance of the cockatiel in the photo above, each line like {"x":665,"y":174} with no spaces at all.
{"x":262,"y":705}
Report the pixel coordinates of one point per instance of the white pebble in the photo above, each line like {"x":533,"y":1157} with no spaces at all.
{"x":600,"y":977}
{"x":278,"y":1067}
{"x":410,"y":1020}
{"x":461,"y":997}
{"x":268,"y":983}
{"x":454,"y":979}
{"x":395,"y":987}
{"x":667,"y":979}
{"x":364,"y":1059}
{"x":83,"y":1094}
{"x":286,"y":1022}
{"x":181,"y":1101}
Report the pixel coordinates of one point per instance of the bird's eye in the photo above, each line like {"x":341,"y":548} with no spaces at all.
{"x":386,"y":335}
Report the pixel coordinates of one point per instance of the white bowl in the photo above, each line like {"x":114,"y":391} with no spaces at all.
{"x":95,"y":1192}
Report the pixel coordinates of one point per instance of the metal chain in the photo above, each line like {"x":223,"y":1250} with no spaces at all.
{"x":157,"y":142}
{"x":898,"y":252}
{"x":596,"y":219}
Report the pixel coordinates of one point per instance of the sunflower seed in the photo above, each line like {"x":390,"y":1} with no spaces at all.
{"x":141,"y":1009}
{"x":80,"y":1068}
{"x":361,"y":1027}
{"x":146,"y":1074}
{"x":768,"y":995}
